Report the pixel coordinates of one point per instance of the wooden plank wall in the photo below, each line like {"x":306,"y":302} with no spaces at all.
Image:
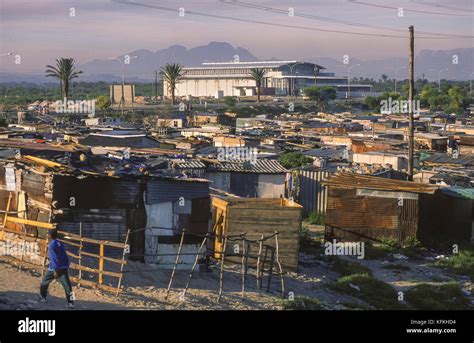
{"x":255,"y":220}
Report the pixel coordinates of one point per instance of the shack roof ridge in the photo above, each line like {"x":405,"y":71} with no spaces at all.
{"x":348,"y":180}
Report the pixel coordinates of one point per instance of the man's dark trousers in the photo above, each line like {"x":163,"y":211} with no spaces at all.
{"x":63,"y":279}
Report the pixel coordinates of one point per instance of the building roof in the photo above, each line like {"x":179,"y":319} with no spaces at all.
{"x":443,"y":158}
{"x":187,"y":164}
{"x":325,"y":152}
{"x":350,"y":181}
{"x":252,"y":64}
{"x":260,"y":166}
{"x":464,"y":193}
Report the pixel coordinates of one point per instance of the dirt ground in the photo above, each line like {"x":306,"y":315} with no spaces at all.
{"x":145,"y":287}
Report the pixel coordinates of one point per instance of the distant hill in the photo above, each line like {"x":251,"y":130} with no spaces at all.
{"x":427,"y":62}
{"x":149,"y":61}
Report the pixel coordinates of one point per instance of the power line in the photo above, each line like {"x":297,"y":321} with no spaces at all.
{"x":407,"y":9}
{"x":422,"y":2}
{"x":331,"y":20}
{"x":208,"y":15}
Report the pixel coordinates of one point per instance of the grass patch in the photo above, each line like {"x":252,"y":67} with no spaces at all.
{"x":377,"y":293}
{"x":412,"y":248}
{"x":377,"y":251}
{"x":316,"y":218}
{"x":433,"y":297}
{"x":345,"y":268}
{"x":461,"y":263}
{"x":302,"y":303}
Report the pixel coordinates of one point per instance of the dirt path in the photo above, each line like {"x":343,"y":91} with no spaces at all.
{"x":145,"y":287}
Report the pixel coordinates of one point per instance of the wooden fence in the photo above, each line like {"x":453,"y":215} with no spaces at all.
{"x":78,"y":263}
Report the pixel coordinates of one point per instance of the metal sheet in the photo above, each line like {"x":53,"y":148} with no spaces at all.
{"x":167,"y":190}
{"x":313,"y":194}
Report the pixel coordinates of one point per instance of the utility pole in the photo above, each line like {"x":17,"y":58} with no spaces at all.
{"x":156,"y":85}
{"x":411,"y":90}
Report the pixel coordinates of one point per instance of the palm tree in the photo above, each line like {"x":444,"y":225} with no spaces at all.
{"x":64,"y":71}
{"x":257,"y":74}
{"x":172,"y":73}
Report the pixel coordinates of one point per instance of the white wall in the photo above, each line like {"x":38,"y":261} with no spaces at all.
{"x":209,"y":87}
{"x":271,"y":185}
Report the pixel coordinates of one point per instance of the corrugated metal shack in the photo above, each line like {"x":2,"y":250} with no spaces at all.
{"x":255,"y":179}
{"x":363,"y":208}
{"x":306,"y":187}
{"x":256,"y":217}
{"x":448,"y":216}
{"x":103,"y":207}
{"x":172,"y":205}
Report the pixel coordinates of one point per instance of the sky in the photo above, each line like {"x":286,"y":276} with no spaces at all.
{"x":39,"y":31}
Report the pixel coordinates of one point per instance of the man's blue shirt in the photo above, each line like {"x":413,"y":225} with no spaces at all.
{"x":57,"y":256}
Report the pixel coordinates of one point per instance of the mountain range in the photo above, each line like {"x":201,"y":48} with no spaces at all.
{"x":427,"y":63}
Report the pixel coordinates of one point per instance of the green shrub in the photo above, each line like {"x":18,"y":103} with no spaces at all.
{"x":316,"y":218}
{"x":302,"y":303}
{"x":293,"y":159}
{"x":437,"y":297}
{"x":377,"y":293}
{"x":461,"y":263}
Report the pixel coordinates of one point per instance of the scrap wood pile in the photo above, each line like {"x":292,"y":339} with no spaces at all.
{"x":350,"y":181}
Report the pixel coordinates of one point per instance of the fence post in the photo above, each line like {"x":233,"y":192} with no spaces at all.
{"x":7,"y":209}
{"x":175,"y":264}
{"x":260,"y":248}
{"x":277,"y":247}
{"x":243,"y":266}
{"x":221,"y":278}
{"x":125,"y":248}
{"x":101,"y":263}
{"x":80,"y":251}
{"x":194,"y":266}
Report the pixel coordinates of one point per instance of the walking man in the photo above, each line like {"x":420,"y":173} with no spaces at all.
{"x":58,"y":269}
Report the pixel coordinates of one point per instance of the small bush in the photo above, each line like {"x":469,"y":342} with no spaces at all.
{"x":302,"y":303}
{"x":377,"y":293}
{"x":461,"y":263}
{"x":412,"y":248}
{"x":377,"y":251}
{"x":293,"y":159}
{"x":437,"y":297}
{"x":316,"y":218}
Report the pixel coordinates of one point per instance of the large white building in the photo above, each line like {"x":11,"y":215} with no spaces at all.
{"x":281,"y":78}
